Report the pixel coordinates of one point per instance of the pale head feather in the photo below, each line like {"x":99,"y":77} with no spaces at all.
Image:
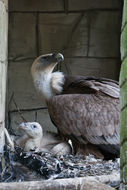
{"x":46,"y":82}
{"x":32,"y":129}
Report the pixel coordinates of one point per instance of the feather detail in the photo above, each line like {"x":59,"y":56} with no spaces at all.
{"x":57,"y":82}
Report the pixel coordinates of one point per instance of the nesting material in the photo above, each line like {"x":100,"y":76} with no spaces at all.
{"x":67,"y":166}
{"x":27,"y":166}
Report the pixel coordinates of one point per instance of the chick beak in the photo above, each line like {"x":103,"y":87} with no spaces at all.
{"x":22,"y":125}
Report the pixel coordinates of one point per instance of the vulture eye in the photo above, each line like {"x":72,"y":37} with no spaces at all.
{"x":43,"y":58}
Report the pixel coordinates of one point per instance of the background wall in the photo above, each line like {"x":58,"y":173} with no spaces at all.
{"x":87,"y":32}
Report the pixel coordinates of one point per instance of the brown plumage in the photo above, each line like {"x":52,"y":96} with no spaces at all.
{"x":84,"y":109}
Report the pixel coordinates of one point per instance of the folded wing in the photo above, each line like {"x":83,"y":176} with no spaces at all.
{"x":88,"y":110}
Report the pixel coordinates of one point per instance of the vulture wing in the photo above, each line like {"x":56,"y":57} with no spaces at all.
{"x":88,"y":85}
{"x":88,"y":110}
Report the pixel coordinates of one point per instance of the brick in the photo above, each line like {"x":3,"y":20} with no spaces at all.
{"x":91,"y":67}
{"x":105,"y":34}
{"x":3,"y":31}
{"x":39,"y":5}
{"x":22,"y":36}
{"x":42,"y":117}
{"x":21,"y":83}
{"x":63,"y":33}
{"x":96,"y":4}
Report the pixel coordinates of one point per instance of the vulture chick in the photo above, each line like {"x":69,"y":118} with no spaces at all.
{"x":35,"y":139}
{"x":84,"y":109}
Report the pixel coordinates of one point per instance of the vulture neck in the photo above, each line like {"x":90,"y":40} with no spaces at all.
{"x":49,"y":84}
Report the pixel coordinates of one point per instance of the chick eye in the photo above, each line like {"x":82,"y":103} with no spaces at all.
{"x":34,"y":126}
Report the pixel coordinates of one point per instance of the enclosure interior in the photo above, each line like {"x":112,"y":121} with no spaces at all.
{"x":86,"y":32}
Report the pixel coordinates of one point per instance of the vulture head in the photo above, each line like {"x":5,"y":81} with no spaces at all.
{"x":46,"y":63}
{"x":32,"y":136}
{"x":32,"y":129}
{"x":34,"y":139}
{"x":44,"y":78}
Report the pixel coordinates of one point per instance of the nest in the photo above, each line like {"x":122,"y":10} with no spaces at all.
{"x":26,"y":166}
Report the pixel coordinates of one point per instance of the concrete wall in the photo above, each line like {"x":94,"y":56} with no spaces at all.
{"x":87,"y":32}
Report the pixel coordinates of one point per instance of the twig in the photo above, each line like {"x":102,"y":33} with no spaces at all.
{"x":10,"y":141}
{"x":11,"y":98}
{"x":35,"y":120}
{"x":20,"y":113}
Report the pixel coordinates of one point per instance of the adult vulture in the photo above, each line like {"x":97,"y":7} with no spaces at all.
{"x":84,"y":109}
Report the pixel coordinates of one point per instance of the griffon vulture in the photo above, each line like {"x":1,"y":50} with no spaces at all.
{"x":34,"y":138}
{"x":84,"y":109}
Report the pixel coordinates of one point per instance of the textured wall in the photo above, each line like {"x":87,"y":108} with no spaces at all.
{"x":87,"y":32}
{"x":123,"y":92}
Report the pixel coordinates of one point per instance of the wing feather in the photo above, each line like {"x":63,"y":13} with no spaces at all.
{"x":86,"y":85}
{"x":90,"y":118}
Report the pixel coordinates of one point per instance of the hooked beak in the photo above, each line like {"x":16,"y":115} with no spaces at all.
{"x":51,"y":58}
{"x":47,"y":62}
{"x":59,"y":57}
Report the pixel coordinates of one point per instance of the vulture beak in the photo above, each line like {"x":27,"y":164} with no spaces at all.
{"x":59,"y":57}
{"x":46,"y":63}
{"x":51,"y":59}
